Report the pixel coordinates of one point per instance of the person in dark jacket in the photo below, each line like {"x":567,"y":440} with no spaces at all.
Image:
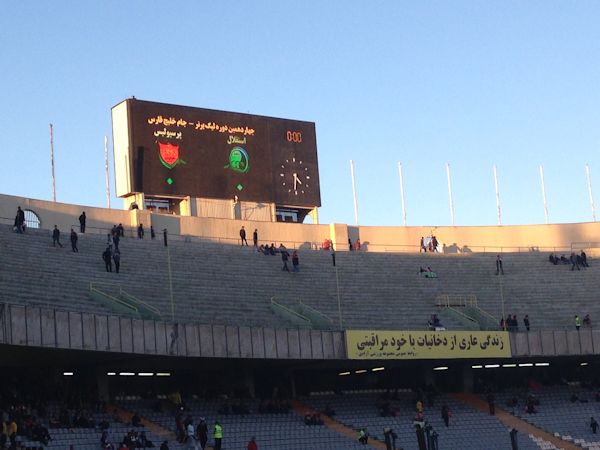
{"x":74,"y":241}
{"x":107,"y":257}
{"x":117,"y":260}
{"x":202,"y":433}
{"x":56,"y":237}
{"x":284,"y":257}
{"x":82,"y":220}
{"x":446,"y":415}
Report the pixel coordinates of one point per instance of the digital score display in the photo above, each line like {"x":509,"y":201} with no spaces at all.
{"x":185,"y":151}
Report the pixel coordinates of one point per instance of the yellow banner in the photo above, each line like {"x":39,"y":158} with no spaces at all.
{"x":377,"y":344}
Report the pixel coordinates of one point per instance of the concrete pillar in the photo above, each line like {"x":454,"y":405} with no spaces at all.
{"x":467,"y":378}
{"x":338,"y":233}
{"x":314,"y":215}
{"x":102,"y":383}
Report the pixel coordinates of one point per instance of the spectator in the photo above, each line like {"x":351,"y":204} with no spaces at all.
{"x":295,"y":261}
{"x":553,"y":259}
{"x":272,"y":249}
{"x":503,"y":324}
{"x":526,"y":321}
{"x":82,"y":220}
{"x":390,"y":438}
{"x":574,"y":262}
{"x":107,"y":256}
{"x":243,"y":236}
{"x":284,"y":257}
{"x":499,"y":268}
{"x":515,"y":323}
{"x":326,"y":244}
{"x":584,"y":259}
{"x":577,"y":322}
{"x":74,"y":241}
{"x":594,"y":425}
{"x":116,"y":239}
{"x":218,"y":434}
{"x":56,"y":237}
{"x":121,"y":232}
{"x":20,"y":220}
{"x":564,"y":260}
{"x":252,"y":444}
{"x":152,"y":232}
{"x":363,"y":437}
{"x":255,"y":238}
{"x":117,"y":260}
{"x":423,"y":247}
{"x":350,"y":246}
{"x":587,"y":321}
{"x":357,"y":245}
{"x":140,"y":231}
{"x":202,"y":432}
{"x":191,"y":435}
{"x":136,"y":420}
{"x":434,"y":244}
{"x":446,"y":414}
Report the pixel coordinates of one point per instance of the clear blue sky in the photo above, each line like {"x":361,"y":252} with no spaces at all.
{"x":471,"y":83}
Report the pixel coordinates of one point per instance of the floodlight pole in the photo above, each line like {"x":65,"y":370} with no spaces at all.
{"x":106,"y":172}
{"x":544,"y":193}
{"x":400,"y":173}
{"x":354,"y":193}
{"x":450,"y":197}
{"x":498,"y":210}
{"x":52,"y":162}
{"x":588,"y":176}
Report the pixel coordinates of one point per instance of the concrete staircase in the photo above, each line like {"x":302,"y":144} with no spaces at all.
{"x":222,"y":284}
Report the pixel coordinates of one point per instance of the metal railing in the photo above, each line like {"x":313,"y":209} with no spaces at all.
{"x":449,"y":300}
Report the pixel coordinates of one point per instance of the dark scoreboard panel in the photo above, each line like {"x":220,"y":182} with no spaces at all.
{"x":178,"y":150}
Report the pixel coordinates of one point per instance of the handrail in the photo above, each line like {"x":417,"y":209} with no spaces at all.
{"x":315,"y":311}
{"x":152,"y":308}
{"x":114,"y":299}
{"x":289,"y":310}
{"x":449,"y":300}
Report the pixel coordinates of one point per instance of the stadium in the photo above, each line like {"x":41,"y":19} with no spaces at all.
{"x":229,"y":305}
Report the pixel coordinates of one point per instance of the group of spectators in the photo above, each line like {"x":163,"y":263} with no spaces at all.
{"x":512,"y":324}
{"x":576,"y":261}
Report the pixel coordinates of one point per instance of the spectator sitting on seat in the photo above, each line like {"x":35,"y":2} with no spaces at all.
{"x":564,"y":259}
{"x":272,"y":249}
{"x":136,"y":420}
{"x":363,"y":437}
{"x":430,"y":273}
{"x":553,"y":259}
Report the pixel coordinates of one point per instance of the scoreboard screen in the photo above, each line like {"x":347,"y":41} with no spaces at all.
{"x":184,"y":151}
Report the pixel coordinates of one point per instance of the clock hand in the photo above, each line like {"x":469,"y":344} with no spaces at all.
{"x":295,"y":180}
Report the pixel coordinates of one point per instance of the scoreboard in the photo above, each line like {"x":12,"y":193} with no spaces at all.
{"x":170,"y":150}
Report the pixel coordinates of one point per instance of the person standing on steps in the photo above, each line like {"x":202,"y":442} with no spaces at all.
{"x":499,"y":268}
{"x":577,"y":323}
{"x":140,"y":231}
{"x":594,"y":425}
{"x":202,"y":432}
{"x":20,"y":220}
{"x":117,"y":259}
{"x":252,"y":444}
{"x":295,"y":261}
{"x":284,"y":258}
{"x":74,"y":241}
{"x":116,"y":239}
{"x":107,"y":256}
{"x":243,"y":236}
{"x":526,"y":321}
{"x":56,"y":237}
{"x":82,"y":220}
{"x":255,"y":238}
{"x":218,"y":435}
{"x":446,"y":415}
{"x":152,"y":233}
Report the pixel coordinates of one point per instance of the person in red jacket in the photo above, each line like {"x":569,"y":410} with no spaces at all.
{"x":252,"y":444}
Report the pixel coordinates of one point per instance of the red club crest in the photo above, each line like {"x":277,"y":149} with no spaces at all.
{"x":169,"y":154}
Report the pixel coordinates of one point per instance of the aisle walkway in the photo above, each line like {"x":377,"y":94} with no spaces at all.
{"x":514,"y":422}
{"x":301,"y":409}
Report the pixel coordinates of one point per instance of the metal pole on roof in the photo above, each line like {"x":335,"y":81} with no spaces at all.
{"x":498,"y":210}
{"x":354,"y":193}
{"x":544,"y":194}
{"x":401,"y":174}
{"x":588,"y":176}
{"x":52,"y":162}
{"x":450,"y":197}
{"x":106,"y":172}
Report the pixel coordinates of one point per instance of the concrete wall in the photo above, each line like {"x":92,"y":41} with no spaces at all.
{"x":393,"y":239}
{"x":46,"y":327}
